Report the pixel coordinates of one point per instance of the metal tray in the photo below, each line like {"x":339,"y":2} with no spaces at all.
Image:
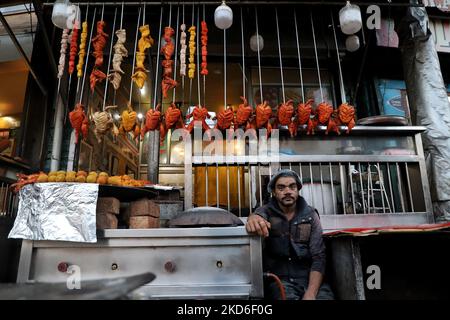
{"x":383,"y":121}
{"x":125,"y":194}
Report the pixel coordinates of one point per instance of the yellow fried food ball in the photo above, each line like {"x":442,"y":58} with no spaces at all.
{"x":102,"y":180}
{"x":42,"y":178}
{"x":103,"y":174}
{"x":52,"y":178}
{"x":52,"y":173}
{"x":82,"y":173}
{"x":61,"y":178}
{"x":80,"y":179}
{"x":91,"y":178}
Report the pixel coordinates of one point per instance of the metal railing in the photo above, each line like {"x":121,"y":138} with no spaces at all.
{"x":8,"y":201}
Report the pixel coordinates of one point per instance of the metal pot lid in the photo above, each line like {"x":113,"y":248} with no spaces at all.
{"x":205,"y":217}
{"x":384,"y":120}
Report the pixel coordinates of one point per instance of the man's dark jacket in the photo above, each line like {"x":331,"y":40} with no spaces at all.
{"x":293,"y":248}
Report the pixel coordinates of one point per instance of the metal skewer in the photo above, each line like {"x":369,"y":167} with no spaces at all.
{"x":176,"y":52}
{"x":259,"y":58}
{"x":157,"y":57}
{"x":110,"y":58}
{"x":134,"y":56}
{"x":317,"y":58}
{"x":299,"y":56}
{"x":279,"y":53}
{"x":87,"y":57}
{"x":341,"y":79}
{"x":190,"y":79}
{"x":243,"y":56}
{"x":198,"y":58}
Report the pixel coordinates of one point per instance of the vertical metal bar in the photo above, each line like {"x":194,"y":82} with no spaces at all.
{"x":312,"y":184}
{"x":217,"y":185}
{"x":239,"y":188}
{"x":380,"y":181}
{"x":321,"y":188}
{"x":270,"y":171}
{"x":351,"y":186}
{"x":332,"y":190}
{"x":4,"y":199}
{"x":388,"y":165}
{"x":290,"y":166}
{"x":9,"y":209}
{"x":362,"y":188}
{"x":409,"y":187}
{"x":370,"y":188}
{"x":206,"y":186}
{"x":228,"y":187}
{"x":399,"y":181}
{"x":249,"y":189}
{"x":341,"y":175}
{"x":1,"y":197}
{"x":260,"y":185}
{"x":300,"y":171}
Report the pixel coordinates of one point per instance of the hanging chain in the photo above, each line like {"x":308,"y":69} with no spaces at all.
{"x":317,"y":58}
{"x":341,"y":79}
{"x":279,"y":53}
{"x":110,"y":58}
{"x":134,"y":57}
{"x":259,"y":57}
{"x":299,"y":56}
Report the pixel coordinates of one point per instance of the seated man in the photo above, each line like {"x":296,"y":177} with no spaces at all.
{"x":293,"y":246}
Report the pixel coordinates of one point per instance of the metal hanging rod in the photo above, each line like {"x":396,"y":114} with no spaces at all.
{"x":250,"y":3}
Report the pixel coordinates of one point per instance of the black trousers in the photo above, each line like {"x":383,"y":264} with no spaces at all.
{"x":295,"y":289}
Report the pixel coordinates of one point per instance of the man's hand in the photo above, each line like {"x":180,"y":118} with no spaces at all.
{"x":309,"y":295}
{"x":256,"y":223}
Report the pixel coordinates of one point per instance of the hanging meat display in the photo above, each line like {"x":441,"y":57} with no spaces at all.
{"x":191,"y":71}
{"x":347,"y":116}
{"x":77,"y":121}
{"x":73,"y":49}
{"x":324,"y":112}
{"x":145,"y":42}
{"x":153,"y":120}
{"x":98,"y":42}
{"x":305,"y":116}
{"x":173,"y":119}
{"x":129,"y":123}
{"x":204,"y":40}
{"x":333,"y":123}
{"x":167,"y":50}
{"x":120,"y":52}
{"x":224,"y":119}
{"x":82,"y":50}
{"x":183,"y":50}
{"x":285,"y":113}
{"x":263,"y":115}
{"x":103,"y":122}
{"x":62,"y":52}
{"x":243,"y":114}
{"x":198,"y":114}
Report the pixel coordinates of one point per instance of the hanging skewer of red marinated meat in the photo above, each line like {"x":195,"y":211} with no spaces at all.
{"x":204,"y":41}
{"x":168,"y":82}
{"x":73,"y":49}
{"x":98,"y":42}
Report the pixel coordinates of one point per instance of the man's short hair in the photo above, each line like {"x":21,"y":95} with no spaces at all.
{"x":281,"y":174}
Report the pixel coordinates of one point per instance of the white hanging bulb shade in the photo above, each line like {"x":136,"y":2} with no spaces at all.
{"x":352,"y":43}
{"x":74,"y":17}
{"x":223,"y":16}
{"x":254,"y":43}
{"x":60,"y":13}
{"x":350,"y":18}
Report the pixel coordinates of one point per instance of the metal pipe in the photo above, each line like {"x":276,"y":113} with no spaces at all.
{"x":341,"y":174}
{"x":206,"y":185}
{"x":217,"y":184}
{"x":252,"y":3}
{"x":380,"y":182}
{"x":390,"y":186}
{"x":409,"y":187}
{"x":351,"y":186}
{"x":399,"y":182}
{"x":362,"y":187}
{"x":332,"y":189}
{"x":321,"y":188}
{"x":19,"y":48}
{"x":312,"y":183}
{"x":249,"y":189}
{"x":228,"y":188}
{"x":239,"y":188}
{"x":260,"y":185}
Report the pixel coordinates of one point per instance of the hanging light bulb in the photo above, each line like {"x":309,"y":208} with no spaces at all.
{"x":223,"y":16}
{"x":60,"y":13}
{"x":254,"y":43}
{"x":352,"y":43}
{"x":350,"y":18}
